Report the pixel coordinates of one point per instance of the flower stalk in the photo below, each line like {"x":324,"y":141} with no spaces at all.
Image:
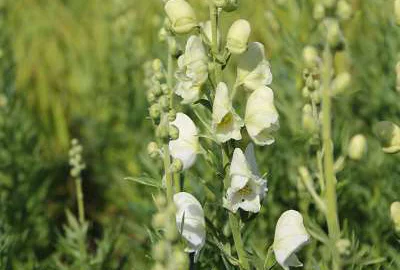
{"x":331,"y":213}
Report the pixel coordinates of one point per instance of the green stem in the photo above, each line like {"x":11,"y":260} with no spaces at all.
{"x":79,"y":199}
{"x":331,"y":214}
{"x":170,"y":73}
{"x":235,"y":228}
{"x":168,"y":175}
{"x":214,"y":14}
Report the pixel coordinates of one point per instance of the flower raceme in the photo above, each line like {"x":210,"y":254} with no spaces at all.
{"x":190,"y":221}
{"x":192,"y":70}
{"x":247,"y":188}
{"x":186,"y":147}
{"x":290,"y":237}
{"x":226,"y":124}
{"x":261,"y":118}
{"x":253,"y":70}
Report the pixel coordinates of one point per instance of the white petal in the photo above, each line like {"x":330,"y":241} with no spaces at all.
{"x":261,"y":117}
{"x":190,"y":220}
{"x":251,"y":159}
{"x":186,"y":146}
{"x":253,"y":70}
{"x":239,"y":170}
{"x":290,"y":236}
{"x":251,"y":203}
{"x":222,"y":103}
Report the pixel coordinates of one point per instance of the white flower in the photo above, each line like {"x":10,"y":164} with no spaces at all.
{"x":190,"y":221}
{"x":290,"y":236}
{"x":253,"y":70}
{"x":357,"y":147}
{"x":225,"y":122}
{"x":261,"y":118}
{"x":186,"y":147}
{"x":238,"y":36}
{"x":181,"y":16}
{"x":192,"y":70}
{"x":247,"y":188}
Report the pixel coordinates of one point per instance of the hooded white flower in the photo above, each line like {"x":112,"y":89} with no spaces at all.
{"x":192,"y":70}
{"x":247,"y":188}
{"x":253,"y":70}
{"x":238,"y":36}
{"x":290,"y":236}
{"x":181,"y":16}
{"x":186,"y":147}
{"x":225,"y":122}
{"x":190,"y":221}
{"x":261,"y":118}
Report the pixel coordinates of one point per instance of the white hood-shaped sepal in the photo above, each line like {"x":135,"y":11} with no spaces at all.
{"x":186,"y":147}
{"x":225,"y":122}
{"x":290,"y":237}
{"x":253,"y":70}
{"x":192,"y":70}
{"x":190,"y":221}
{"x":247,"y":188}
{"x":261,"y":118}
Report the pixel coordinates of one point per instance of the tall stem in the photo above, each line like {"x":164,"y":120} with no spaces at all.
{"x":168,"y":175}
{"x":214,"y":17}
{"x":331,"y":214}
{"x":237,"y":238}
{"x":79,"y":199}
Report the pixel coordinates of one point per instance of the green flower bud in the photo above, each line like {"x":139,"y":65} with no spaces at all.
{"x":395,"y":215}
{"x":310,"y":83}
{"x":231,"y":5}
{"x":156,"y":88}
{"x":316,"y":97}
{"x":319,"y":11}
{"x":308,"y":120}
{"x":305,"y":92}
{"x":341,"y":82}
{"x":159,"y":220}
{"x":162,"y":131}
{"x":176,"y":165}
{"x":155,"y":112}
{"x":343,"y":10}
{"x":160,"y":201}
{"x":173,"y":132}
{"x":310,"y":56}
{"x":165,"y":89}
{"x":153,"y":150}
{"x":397,"y":11}
{"x":162,"y":35}
{"x":389,"y":135}
{"x":171,"y":233}
{"x":171,"y":115}
{"x":160,"y":251}
{"x":163,"y":101}
{"x":181,"y":16}
{"x":238,"y":36}
{"x":357,"y":147}
{"x":334,"y":33}
{"x":156,"y":65}
{"x":343,"y":246}
{"x":151,"y":98}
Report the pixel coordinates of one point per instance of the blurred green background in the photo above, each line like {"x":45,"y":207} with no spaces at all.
{"x":74,"y":69}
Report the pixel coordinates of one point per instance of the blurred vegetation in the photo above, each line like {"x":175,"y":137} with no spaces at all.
{"x":72,"y":68}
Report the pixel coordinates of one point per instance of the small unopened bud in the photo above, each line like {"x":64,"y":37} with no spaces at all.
{"x":163,"y":101}
{"x":171,"y":115}
{"x":305,"y":92}
{"x":329,"y":3}
{"x":156,"y":65}
{"x":165,"y":89}
{"x":153,"y":150}
{"x":156,"y":88}
{"x":155,"y":112}
{"x":316,"y":97}
{"x":357,"y":147}
{"x":159,"y":220}
{"x":162,"y":131}
{"x":173,"y":132}
{"x":389,"y":135}
{"x":310,"y":56}
{"x":343,"y":246}
{"x":151,"y":97}
{"x":160,"y":200}
{"x":238,"y":36}
{"x":397,"y":11}
{"x":341,"y":82}
{"x":343,"y":10}
{"x":181,"y":16}
{"x":162,"y":34}
{"x":395,"y":215}
{"x":310,"y":83}
{"x":308,"y":120}
{"x":176,"y":165}
{"x":334,"y":33}
{"x":319,"y":11}
{"x":159,"y":251}
{"x":227,"y":5}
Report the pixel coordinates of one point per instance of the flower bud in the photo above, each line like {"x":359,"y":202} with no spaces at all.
{"x":171,"y":115}
{"x":308,"y":120}
{"x":310,"y":56}
{"x":343,"y":10}
{"x":159,"y":251}
{"x":357,"y":147}
{"x":389,"y":135}
{"x":162,"y":131}
{"x":181,"y":16}
{"x":316,"y":97}
{"x":397,"y":11}
{"x":163,"y":101}
{"x":165,"y":89}
{"x":341,"y":82}
{"x":156,"y":88}
{"x":162,"y":34}
{"x":176,"y":165}
{"x":155,"y":112}
{"x":173,"y":132}
{"x":153,"y":149}
{"x":151,"y":97}
{"x":319,"y":12}
{"x":159,"y":220}
{"x":395,"y":215}
{"x":329,"y":3}
{"x":238,"y":36}
{"x":160,"y":200}
{"x":334,"y":33}
{"x":227,"y":5}
{"x":156,"y":65}
{"x":343,"y":246}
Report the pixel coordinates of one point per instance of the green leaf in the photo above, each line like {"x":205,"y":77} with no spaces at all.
{"x":145,"y":180}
